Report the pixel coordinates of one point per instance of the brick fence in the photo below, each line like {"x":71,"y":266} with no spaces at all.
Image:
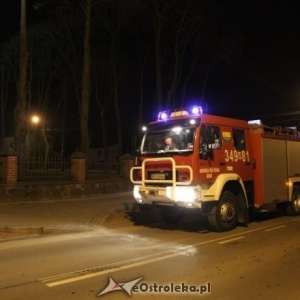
{"x":12,"y":190}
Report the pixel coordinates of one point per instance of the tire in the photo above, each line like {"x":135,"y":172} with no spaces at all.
{"x":293,"y":207}
{"x":224,"y":215}
{"x":170,"y":214}
{"x":144,"y":207}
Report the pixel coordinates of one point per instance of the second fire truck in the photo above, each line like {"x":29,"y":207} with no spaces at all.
{"x":220,"y":166}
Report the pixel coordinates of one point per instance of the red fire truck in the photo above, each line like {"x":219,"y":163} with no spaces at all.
{"x":220,"y":166}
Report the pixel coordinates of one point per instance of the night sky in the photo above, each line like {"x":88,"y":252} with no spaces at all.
{"x":267,"y":73}
{"x":248,"y":64}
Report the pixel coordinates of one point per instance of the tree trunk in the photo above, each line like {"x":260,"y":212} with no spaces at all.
{"x":86,"y":83}
{"x":20,"y":109}
{"x":158,"y":59}
{"x":116,"y":97}
{"x":4,"y":92}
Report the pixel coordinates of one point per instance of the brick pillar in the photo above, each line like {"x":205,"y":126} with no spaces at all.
{"x":78,"y":166}
{"x":9,"y":167}
{"x":126,"y":164}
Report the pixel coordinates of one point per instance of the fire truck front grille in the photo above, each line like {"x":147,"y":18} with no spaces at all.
{"x":161,"y":172}
{"x":160,"y":175}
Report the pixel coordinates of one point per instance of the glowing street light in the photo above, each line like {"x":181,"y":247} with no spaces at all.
{"x":35,"y":119}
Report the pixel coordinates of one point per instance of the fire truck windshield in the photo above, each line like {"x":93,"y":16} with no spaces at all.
{"x":172,"y":136}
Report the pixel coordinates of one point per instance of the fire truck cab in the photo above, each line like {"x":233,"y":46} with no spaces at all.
{"x":220,"y":166}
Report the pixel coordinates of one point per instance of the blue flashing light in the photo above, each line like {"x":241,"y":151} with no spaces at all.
{"x":196,"y":110}
{"x":163,"y":115}
{"x":189,"y":111}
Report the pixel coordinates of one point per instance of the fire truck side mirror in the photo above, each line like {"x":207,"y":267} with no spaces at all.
{"x":137,"y":152}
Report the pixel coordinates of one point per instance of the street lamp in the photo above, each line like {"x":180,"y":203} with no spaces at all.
{"x":35,"y":119}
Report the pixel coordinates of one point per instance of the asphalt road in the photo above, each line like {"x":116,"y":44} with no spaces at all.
{"x":107,"y":246}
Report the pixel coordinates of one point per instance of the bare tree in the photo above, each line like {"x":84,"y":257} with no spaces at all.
{"x":86,"y":81}
{"x":171,"y":39}
{"x":113,"y":26}
{"x":188,"y":76}
{"x":46,"y":69}
{"x":158,"y":22}
{"x":4,"y":94}
{"x":142,"y":59}
{"x":103,"y":103}
{"x":180,"y":44}
{"x":20,"y":109}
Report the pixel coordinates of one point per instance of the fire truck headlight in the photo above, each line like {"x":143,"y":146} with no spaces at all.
{"x":136,"y":193}
{"x":185,"y":194}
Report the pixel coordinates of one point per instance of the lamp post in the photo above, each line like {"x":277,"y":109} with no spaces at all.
{"x":35,"y":120}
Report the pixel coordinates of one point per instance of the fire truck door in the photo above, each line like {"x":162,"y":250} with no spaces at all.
{"x":211,"y":152}
{"x":236,"y":153}
{"x":226,"y":151}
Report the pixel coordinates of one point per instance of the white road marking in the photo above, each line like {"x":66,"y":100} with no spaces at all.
{"x":231,"y":240}
{"x":120,"y":268}
{"x":161,"y":256}
{"x":274,"y":228}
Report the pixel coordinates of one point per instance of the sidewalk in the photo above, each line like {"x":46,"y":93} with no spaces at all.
{"x":19,"y":220}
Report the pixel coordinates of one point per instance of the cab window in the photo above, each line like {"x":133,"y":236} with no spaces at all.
{"x":210,"y":135}
{"x":239,"y":139}
{"x":209,"y":140}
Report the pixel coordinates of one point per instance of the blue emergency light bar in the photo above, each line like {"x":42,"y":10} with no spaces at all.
{"x":174,"y":113}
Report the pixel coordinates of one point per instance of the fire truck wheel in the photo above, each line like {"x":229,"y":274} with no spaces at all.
{"x":144,"y":207}
{"x":170,"y":214}
{"x":293,"y":208}
{"x":224,"y":216}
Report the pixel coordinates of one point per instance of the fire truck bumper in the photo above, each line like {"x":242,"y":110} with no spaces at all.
{"x":182,"y":196}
